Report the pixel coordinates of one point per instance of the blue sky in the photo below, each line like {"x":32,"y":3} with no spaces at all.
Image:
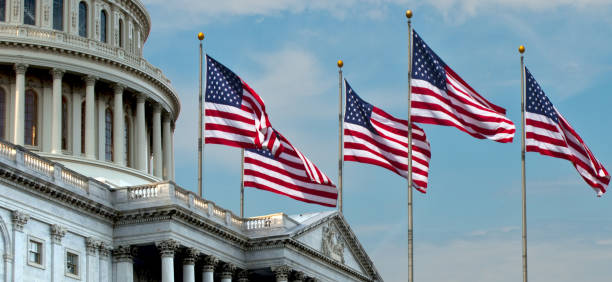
{"x":468,"y":225}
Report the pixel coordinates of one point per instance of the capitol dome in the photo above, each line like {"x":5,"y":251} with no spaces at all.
{"x":75,"y":88}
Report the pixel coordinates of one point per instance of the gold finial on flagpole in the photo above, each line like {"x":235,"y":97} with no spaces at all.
{"x":409,"y":13}
{"x":521,"y":49}
{"x":201,"y":36}
{"x":340,"y":63}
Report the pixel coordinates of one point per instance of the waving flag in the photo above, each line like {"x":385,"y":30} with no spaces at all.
{"x":234,"y":114}
{"x":290,"y":174}
{"x":375,"y":137}
{"x":548,"y":133}
{"x":440,"y":96}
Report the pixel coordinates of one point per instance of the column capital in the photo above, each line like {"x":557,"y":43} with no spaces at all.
{"x":167,"y":247}
{"x":118,"y":88}
{"x":104,"y":249}
{"x":90,"y":80}
{"x":141,"y":98}
{"x":57,"y":233}
{"x":92,"y":245}
{"x":57,"y":73}
{"x":157,"y":107}
{"x":19,"y":220}
{"x":20,"y":68}
{"x":243,"y":275}
{"x":281,"y":272}
{"x":209,"y":263}
{"x":124,"y":253}
{"x":227,"y":270}
{"x":191,"y":254}
{"x":298,"y":276}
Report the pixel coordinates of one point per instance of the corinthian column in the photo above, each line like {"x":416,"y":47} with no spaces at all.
{"x":188,"y":264}
{"x":167,"y":147}
{"x":167,"y":248}
{"x":118,"y":126}
{"x":19,"y":102}
{"x":208,"y":268}
{"x":56,"y":121}
{"x":141,"y":134}
{"x":227,"y":271}
{"x":157,"y":140}
{"x":90,"y":141}
{"x":124,"y":258}
{"x":281,"y":273}
{"x":243,"y":276}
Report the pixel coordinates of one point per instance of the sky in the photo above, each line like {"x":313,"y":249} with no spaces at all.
{"x":468,"y":226}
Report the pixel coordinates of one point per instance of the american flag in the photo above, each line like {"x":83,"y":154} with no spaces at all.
{"x":290,"y":174}
{"x":374,"y":137}
{"x":548,"y":133}
{"x":234,"y":114}
{"x":440,"y":96}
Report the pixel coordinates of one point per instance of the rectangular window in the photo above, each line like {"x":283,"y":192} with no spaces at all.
{"x":72,"y":264}
{"x":2,"y":10}
{"x":35,"y":252}
{"x":29,"y":12}
{"x":58,"y":14}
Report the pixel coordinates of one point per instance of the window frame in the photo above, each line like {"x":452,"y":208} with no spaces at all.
{"x":108,"y":135}
{"x":86,"y":22}
{"x":3,"y":15}
{"x":61,"y":16}
{"x":37,"y":240}
{"x":104,"y":26}
{"x":78,"y":263}
{"x":24,"y":13}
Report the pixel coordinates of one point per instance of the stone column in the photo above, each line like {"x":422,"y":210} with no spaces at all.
{"x":172,"y":155}
{"x":123,"y":256}
{"x":118,"y":126}
{"x":167,"y":248}
{"x":208,"y":268}
{"x":20,"y":244}
{"x":298,"y":276}
{"x":282,"y":273}
{"x":104,"y":251}
{"x":57,"y":253}
{"x":93,"y":263}
{"x":19,"y":103}
{"x":101,"y":129}
{"x":227,"y":271}
{"x":56,"y":121}
{"x":188,"y":264}
{"x":243,"y":276}
{"x":90,"y":137}
{"x":141,"y":134}
{"x":76,"y":123}
{"x":167,"y":147}
{"x":157,"y":140}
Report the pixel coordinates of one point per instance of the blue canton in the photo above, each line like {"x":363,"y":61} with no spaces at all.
{"x":357,"y":110}
{"x":263,"y":152}
{"x":537,"y":102}
{"x":426,"y":65}
{"x":222,"y":85}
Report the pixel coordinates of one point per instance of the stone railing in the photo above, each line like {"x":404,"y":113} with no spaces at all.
{"x":36,"y":166}
{"x":165,"y":193}
{"x":32,"y":35}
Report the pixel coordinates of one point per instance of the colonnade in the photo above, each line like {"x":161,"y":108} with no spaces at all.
{"x":95,"y":142}
{"x":226,"y":271}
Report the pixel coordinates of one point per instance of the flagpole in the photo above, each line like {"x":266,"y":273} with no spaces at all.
{"x":242,"y":185}
{"x":524,"y":195}
{"x":340,"y":135}
{"x":200,"y":133}
{"x":409,"y":176}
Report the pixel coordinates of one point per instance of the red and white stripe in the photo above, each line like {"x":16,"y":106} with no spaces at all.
{"x":388,"y":147}
{"x":244,"y":127}
{"x":560,"y":140}
{"x":290,"y":174}
{"x":460,"y":106}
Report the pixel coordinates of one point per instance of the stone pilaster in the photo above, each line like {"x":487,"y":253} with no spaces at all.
{"x":92,"y":245}
{"x":104,"y":251}
{"x":57,"y":233}
{"x":281,"y":272}
{"x":19,"y":219}
{"x":167,"y":249}
{"x":57,"y":253}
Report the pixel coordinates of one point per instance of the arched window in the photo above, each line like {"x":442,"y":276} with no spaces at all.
{"x":65,"y":128}
{"x":2,"y":10}
{"x":83,"y":127}
{"x":120,"y":33}
{"x":58,"y":14}
{"x":82,"y":19}
{"x":103,"y":26}
{"x":108,"y":130}
{"x":2,"y":113}
{"x":31,"y":118}
{"x":29,"y":12}
{"x":126,"y":141}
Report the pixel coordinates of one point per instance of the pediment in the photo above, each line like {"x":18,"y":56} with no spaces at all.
{"x":332,"y":238}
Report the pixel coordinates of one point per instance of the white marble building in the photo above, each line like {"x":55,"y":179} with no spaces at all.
{"x":87,"y":167}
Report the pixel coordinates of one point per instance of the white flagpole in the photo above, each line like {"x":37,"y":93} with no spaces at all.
{"x":409,"y":176}
{"x":242,"y":185}
{"x":340,"y":135}
{"x":524,"y":195}
{"x":200,"y":133}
